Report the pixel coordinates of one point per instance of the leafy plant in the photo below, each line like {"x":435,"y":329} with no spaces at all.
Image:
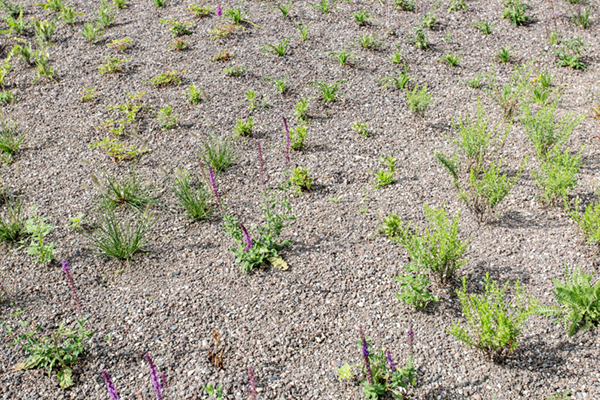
{"x":451,"y":58}
{"x":120,"y":239}
{"x":159,"y":3}
{"x":92,"y":32}
{"x":360,"y":128}
{"x":195,"y":95}
{"x":112,"y":65}
{"x":419,"y":40}
{"x":251,"y":99}
{"x":178,"y":44}
{"x":223,"y":55}
{"x":298,"y":136}
{"x":405,"y":5}
{"x":216,"y":393}
{"x":301,"y":179}
{"x":418,"y":100}
{"x":12,"y":221}
{"x":105,"y":14}
{"x":565,"y":395}
{"x":483,"y":27}
{"x":44,"y":69}
{"x":457,"y":5}
{"x":166,"y":79}
{"x":579,"y":302}
{"x":43,"y":30}
{"x":200,"y":11}
{"x":12,"y":9}
{"x":166,"y":118}
{"x":129,"y":191}
{"x":120,"y":45}
{"x":327,"y":92}
{"x":37,"y":229}
{"x":235,"y":70}
{"x":58,"y":351}
{"x":494,"y":322}
{"x":177,"y":28}
{"x":16,"y":24}
{"x":7,"y":97}
{"x":118,"y":151}
{"x":262,"y":248}
{"x":244,"y":128}
{"x":429,"y":20}
{"x":193,"y":199}
{"x":514,"y":11}
{"x":570,"y":53}
{"x":69,"y":16}
{"x":556,"y":174}
{"x":120,"y":3}
{"x":385,"y":177}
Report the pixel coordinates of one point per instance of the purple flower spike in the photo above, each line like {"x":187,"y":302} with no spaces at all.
{"x":365,"y":352}
{"x":219,"y":11}
{"x":264,"y":176}
{"x":213,"y":186}
{"x":163,"y":380}
{"x":288,"y":140}
{"x":251,"y":383}
{"x":112,"y":392}
{"x":391,"y":362}
{"x":247,"y":237}
{"x":154,"y":376}
{"x":74,"y":294}
{"x":411,"y":342}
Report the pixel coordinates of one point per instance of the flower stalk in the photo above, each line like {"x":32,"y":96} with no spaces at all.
{"x":112,"y":392}
{"x":154,"y":375}
{"x":71,"y":282}
{"x":365,"y":352}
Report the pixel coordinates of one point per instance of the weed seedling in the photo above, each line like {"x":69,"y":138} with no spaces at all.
{"x":112,"y":65}
{"x":120,"y":45}
{"x":166,"y":118}
{"x":244,"y":128}
{"x":166,"y":79}
{"x":360,"y":128}
{"x":195,"y":95}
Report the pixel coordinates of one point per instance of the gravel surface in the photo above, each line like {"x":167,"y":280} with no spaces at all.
{"x":296,"y":326}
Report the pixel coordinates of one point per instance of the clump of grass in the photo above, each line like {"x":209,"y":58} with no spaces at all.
{"x":193,"y":198}
{"x":218,"y":152}
{"x":328,"y":93}
{"x":10,"y":140}
{"x":12,"y":221}
{"x":129,"y":191}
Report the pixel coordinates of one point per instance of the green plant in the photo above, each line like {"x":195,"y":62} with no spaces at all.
{"x":429,"y":20}
{"x":300,"y":179}
{"x":177,"y":28}
{"x":89,"y":94}
{"x":451,"y":58}
{"x":178,"y":44}
{"x":504,"y":54}
{"x":43,"y":30}
{"x":343,"y":57}
{"x":235,"y":70}
{"x":556,"y":174}
{"x":588,"y":221}
{"x":129,"y":191}
{"x":16,"y":25}
{"x":68,"y":15}
{"x":120,"y":239}
{"x":244,"y":128}
{"x":279,"y":49}
{"x":570,"y":53}
{"x":236,"y":15}
{"x":223,"y":31}
{"x":579,"y":302}
{"x":25,"y":51}
{"x":195,"y":95}
{"x":76,"y":222}
{"x":546,"y":131}
{"x":7,"y":97}
{"x":324,"y":6}
{"x":200,"y":11}
{"x":166,"y":118}
{"x":52,"y":5}
{"x":120,"y":45}
{"x":285,"y":8}
{"x":457,"y":5}
{"x":419,"y":40}
{"x":362,"y":17}
{"x":129,"y":109}
{"x":44,"y":69}
{"x":10,"y":139}
{"x":367,"y":41}
{"x":166,"y":78}
{"x":216,"y":393}
{"x":12,"y":221}
{"x":413,"y":285}
{"x":279,"y":83}
{"x":514,"y":11}
{"x":400,"y":83}
{"x":474,"y":82}
{"x":159,"y":3}
{"x":303,"y":30}
{"x":251,"y":99}
{"x":298,"y":136}
{"x":565,"y":395}
{"x":418,"y":100}
{"x":301,"y":111}
{"x":223,"y":55}
{"x":4,"y":70}
{"x":120,"y":3}
{"x":396,"y":57}
{"x":259,"y":250}
{"x":327,"y":92}
{"x":494,"y":322}
{"x":118,"y":151}
{"x":105,"y":15}
{"x":92,"y":32}
{"x":217,"y":152}
{"x":12,"y":9}
{"x":539,"y":94}
{"x":37,"y":229}
{"x":385,"y":177}
{"x":111,"y":65}
{"x":509,"y":94}
{"x":58,"y":351}
{"x":193,"y":199}
{"x":405,"y":5}
{"x":360,"y":128}
{"x":483,"y":27}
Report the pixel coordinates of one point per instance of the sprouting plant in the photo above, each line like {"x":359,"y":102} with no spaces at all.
{"x":451,"y":58}
{"x":105,"y":15}
{"x":223,"y":31}
{"x":343,"y":57}
{"x":418,"y":100}
{"x":217,"y":152}
{"x":367,"y":41}
{"x":556,"y":174}
{"x":166,"y":118}
{"x":195,"y":95}
{"x":385,"y":177}
{"x":514,"y":11}
{"x":324,"y":6}
{"x":120,"y":45}
{"x":120,"y":238}
{"x":279,"y":83}
{"x":504,"y":54}
{"x":58,"y":351}
{"x":303,"y":30}
{"x":119,"y":151}
{"x":37,"y":229}
{"x":177,"y":28}
{"x":474,"y":82}
{"x":10,"y":8}
{"x":301,"y":111}
{"x":222,"y":56}
{"x":194,"y":199}
{"x":419,"y":40}
{"x":244,"y":128}
{"x":7,"y":97}
{"x":235,"y":70}
{"x":405,"y":5}
{"x":301,"y":179}
{"x":582,"y":16}
{"x":178,"y":44}
{"x":360,"y":128}
{"x":327,"y":92}
{"x":298,"y":136}
{"x":579,"y":302}
{"x":362,"y":17}
{"x":254,"y":251}
{"x":396,"y":57}
{"x":200,"y":11}
{"x":166,"y":78}
{"x":44,"y":30}
{"x":251,"y":99}
{"x":570,"y":53}
{"x":10,"y":140}
{"x":120,"y":3}
{"x":112,"y":65}
{"x":12,"y":221}
{"x":457,"y":5}
{"x":216,"y":393}
{"x":237,"y":15}
{"x":128,"y":191}
{"x":16,"y":25}
{"x":44,"y":69}
{"x":92,"y":32}
{"x":494,"y":322}
{"x":284,"y":8}
{"x":509,"y":94}
{"x":484,"y":27}
{"x":279,"y":49}
{"x":159,"y":3}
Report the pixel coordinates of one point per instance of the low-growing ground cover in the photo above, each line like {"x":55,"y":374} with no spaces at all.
{"x":436,"y":167}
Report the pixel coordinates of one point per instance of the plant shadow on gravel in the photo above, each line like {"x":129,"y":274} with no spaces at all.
{"x":535,"y":354}
{"x":450,"y":392}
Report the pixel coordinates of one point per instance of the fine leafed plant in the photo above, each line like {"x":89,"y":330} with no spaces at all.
{"x":217,"y":152}
{"x":362,"y":17}
{"x":556,"y":174}
{"x":262,"y":248}
{"x":570,"y":53}
{"x":105,"y":14}
{"x":37,"y":230}
{"x":10,"y":8}
{"x":193,"y":198}
{"x":579,"y":301}
{"x":12,"y":221}
{"x":588,"y":220}
{"x":509,"y":94}
{"x":368,"y":41}
{"x":385,"y":177}
{"x":494,"y":323}
{"x":284,"y":8}
{"x":504,"y":54}
{"x":166,"y":118}
{"x":418,"y":100}
{"x":236,"y":70}
{"x":419,"y":40}
{"x":279,"y":83}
